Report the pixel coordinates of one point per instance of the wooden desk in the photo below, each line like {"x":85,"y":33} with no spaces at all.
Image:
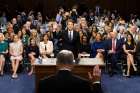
{"x":49,"y":68}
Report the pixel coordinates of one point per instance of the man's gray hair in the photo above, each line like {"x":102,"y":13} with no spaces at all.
{"x":65,"y":57}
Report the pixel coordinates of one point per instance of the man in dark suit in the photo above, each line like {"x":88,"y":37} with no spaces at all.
{"x":137,"y":56}
{"x":71,"y":39}
{"x":65,"y":82}
{"x":114,"y":49}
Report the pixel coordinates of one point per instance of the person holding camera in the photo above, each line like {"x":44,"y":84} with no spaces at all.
{"x":59,"y":15}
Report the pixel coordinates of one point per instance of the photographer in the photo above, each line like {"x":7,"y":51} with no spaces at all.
{"x":59,"y":15}
{"x":74,"y":14}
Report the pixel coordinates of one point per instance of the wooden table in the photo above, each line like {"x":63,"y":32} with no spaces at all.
{"x":49,"y":68}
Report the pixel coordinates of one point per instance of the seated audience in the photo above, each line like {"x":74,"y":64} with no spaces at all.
{"x":33,"y":53}
{"x":68,"y":30}
{"x":129,"y":49}
{"x":15,"y":50}
{"x":65,"y":82}
{"x":3,"y":52}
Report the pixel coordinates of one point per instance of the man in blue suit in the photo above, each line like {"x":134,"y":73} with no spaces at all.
{"x":114,"y":49}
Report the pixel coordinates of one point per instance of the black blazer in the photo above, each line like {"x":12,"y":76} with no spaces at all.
{"x":65,"y":82}
{"x":30,"y":49}
{"x":72,"y":45}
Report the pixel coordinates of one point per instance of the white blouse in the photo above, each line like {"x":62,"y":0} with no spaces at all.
{"x":48,"y":47}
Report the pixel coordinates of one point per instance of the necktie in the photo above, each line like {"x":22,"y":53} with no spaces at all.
{"x":70,"y":35}
{"x":113,"y":45}
{"x":45,"y":47}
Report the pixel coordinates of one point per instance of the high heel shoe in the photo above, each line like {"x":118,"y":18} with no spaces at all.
{"x":30,"y":73}
{"x":1,"y":73}
{"x":128,"y":76}
{"x":135,"y":69}
{"x":14,"y":76}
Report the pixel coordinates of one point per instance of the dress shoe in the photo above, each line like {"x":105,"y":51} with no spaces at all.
{"x":14,"y":76}
{"x":1,"y":73}
{"x":111,"y":74}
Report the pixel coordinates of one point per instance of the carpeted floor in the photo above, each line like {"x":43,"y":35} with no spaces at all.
{"x":26,"y":84}
{"x":120,"y":84}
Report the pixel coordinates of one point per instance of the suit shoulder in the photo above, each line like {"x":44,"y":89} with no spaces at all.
{"x":80,"y":79}
{"x":47,"y":78}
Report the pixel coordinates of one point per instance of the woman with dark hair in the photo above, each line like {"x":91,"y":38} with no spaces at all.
{"x":46,"y":47}
{"x":84,"y":47}
{"x":25,"y":37}
{"x":98,"y":48}
{"x":92,"y":38}
{"x":129,"y":49}
{"x":33,"y":53}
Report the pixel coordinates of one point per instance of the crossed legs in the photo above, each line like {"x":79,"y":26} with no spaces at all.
{"x":130,"y":61}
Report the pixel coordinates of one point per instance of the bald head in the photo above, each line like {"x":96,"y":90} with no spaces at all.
{"x":65,"y":57}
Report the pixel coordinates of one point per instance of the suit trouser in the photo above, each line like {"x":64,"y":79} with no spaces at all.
{"x":113,"y":60}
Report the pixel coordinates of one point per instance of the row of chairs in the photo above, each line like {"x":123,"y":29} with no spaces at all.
{"x":25,"y":64}
{"x":122,"y":64}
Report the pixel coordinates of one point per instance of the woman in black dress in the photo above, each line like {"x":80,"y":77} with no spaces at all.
{"x":84,"y":47}
{"x":33,"y":53}
{"x":129,"y":49}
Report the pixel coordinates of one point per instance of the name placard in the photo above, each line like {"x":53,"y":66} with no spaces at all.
{"x":82,"y":61}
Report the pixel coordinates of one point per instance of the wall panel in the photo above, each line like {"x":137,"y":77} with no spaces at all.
{"x":49,"y":7}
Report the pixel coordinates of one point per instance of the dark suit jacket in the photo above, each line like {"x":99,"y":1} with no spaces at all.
{"x":119,"y":51}
{"x":137,"y":54}
{"x":118,"y":45}
{"x":71,"y":45}
{"x":34,"y":49}
{"x":65,"y":82}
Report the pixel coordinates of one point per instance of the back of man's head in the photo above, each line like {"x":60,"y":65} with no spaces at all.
{"x":65,"y":57}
